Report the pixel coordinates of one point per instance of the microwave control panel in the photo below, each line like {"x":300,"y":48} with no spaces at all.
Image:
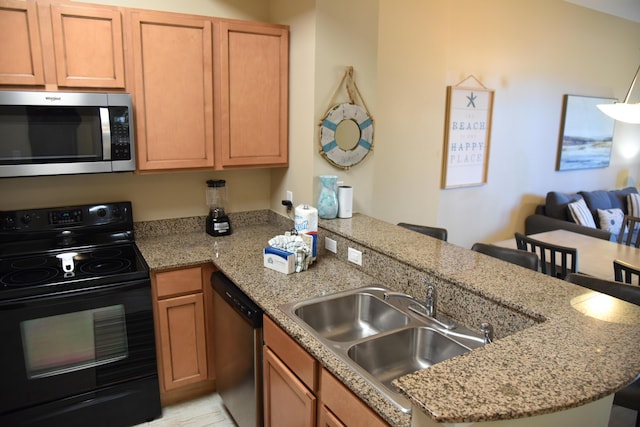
{"x":120,"y":133}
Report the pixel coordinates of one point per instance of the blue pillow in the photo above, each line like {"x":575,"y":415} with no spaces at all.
{"x":556,"y":205}
{"x":619,"y":198}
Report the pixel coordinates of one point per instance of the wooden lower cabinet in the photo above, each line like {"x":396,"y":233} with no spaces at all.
{"x":326,"y":418}
{"x":340,"y":407}
{"x":298,"y":391}
{"x":183,"y":309}
{"x":288,"y":402}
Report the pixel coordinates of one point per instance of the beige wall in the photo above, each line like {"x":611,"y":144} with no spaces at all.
{"x":531,"y":53}
{"x":404,"y":54}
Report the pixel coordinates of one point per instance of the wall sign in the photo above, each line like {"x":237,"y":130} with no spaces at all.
{"x":467,"y":135}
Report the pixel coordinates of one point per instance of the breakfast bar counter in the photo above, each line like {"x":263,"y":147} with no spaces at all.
{"x":557,"y":347}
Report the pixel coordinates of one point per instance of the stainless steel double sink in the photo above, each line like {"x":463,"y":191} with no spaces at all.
{"x":381,"y":334}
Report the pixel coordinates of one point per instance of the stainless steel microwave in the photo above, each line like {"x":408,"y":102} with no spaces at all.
{"x":54,"y":133}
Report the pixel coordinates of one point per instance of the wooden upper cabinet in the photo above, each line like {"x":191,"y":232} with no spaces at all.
{"x":254,"y":89}
{"x":20,"y":48}
{"x":60,"y":45}
{"x":88,"y":46}
{"x":173,"y":96}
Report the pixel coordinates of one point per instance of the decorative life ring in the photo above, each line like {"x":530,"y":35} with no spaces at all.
{"x":331,"y":150}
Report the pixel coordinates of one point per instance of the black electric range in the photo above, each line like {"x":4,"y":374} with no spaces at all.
{"x":76,"y":319}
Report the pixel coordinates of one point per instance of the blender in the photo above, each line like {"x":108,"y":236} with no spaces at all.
{"x":218,"y":223}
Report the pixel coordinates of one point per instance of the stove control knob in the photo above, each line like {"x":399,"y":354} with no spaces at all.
{"x":102,"y":212}
{"x":26,"y":219}
{"x":9,"y":222}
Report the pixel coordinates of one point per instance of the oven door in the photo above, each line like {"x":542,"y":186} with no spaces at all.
{"x":61,"y":345}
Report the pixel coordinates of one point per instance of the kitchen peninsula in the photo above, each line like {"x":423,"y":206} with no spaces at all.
{"x":548,"y":356}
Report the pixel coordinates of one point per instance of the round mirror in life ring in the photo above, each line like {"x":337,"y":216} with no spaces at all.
{"x":346,"y":135}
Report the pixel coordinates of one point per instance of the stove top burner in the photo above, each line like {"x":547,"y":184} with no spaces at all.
{"x":29,"y":277}
{"x":89,"y":264}
{"x":48,"y":251}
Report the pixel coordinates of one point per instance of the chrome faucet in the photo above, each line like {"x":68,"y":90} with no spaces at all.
{"x":487,"y":332}
{"x":431,"y":301}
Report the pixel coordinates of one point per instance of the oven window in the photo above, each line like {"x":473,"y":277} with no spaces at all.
{"x":72,"y":341}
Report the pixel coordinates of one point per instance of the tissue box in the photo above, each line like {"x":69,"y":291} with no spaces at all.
{"x":279,"y":260}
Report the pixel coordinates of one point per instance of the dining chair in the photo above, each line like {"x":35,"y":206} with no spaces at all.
{"x":522,"y":258}
{"x":555,"y":260}
{"x":437,"y":232}
{"x":630,"y":224}
{"x":628,"y":397}
{"x":625,"y":272}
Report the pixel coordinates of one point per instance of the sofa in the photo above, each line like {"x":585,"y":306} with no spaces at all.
{"x":606,"y":209}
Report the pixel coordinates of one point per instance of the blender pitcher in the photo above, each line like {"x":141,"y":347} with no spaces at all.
{"x":218,"y":223}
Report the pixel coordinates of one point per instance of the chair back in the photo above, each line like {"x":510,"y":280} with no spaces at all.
{"x":438,"y":233}
{"x":522,"y":258}
{"x":625,"y":272}
{"x":555,"y":260}
{"x":629,"y":234}
{"x":618,"y":290}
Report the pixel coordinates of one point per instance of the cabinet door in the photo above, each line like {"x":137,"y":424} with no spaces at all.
{"x":182,"y":340}
{"x":172,"y":56}
{"x":88,"y":46}
{"x":326,"y":418}
{"x":345,"y":407}
{"x":287,"y":402}
{"x":254,"y":92}
{"x":20,"y":49}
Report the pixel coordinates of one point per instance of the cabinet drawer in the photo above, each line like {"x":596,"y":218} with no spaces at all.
{"x":345,"y":405}
{"x":291,"y":353}
{"x":177,"y":282}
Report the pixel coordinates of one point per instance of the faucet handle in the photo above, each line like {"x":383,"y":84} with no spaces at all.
{"x":431,"y":300}
{"x":487,"y":332}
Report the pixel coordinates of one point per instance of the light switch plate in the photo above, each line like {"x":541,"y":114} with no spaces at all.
{"x":330,"y":245}
{"x":354,"y":256}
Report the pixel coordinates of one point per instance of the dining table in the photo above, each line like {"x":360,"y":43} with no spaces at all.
{"x":595,"y":256}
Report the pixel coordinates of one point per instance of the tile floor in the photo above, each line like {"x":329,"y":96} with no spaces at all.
{"x":208,"y":411}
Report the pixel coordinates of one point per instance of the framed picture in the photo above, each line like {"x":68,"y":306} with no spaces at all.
{"x":467,"y":136}
{"x":586,"y":134}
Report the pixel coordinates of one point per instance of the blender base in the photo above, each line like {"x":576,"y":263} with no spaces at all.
{"x":220,"y":226}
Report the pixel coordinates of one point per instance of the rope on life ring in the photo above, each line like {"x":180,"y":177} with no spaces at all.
{"x":330,"y":149}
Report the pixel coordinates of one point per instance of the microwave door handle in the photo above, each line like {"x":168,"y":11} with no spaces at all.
{"x":106,"y":133}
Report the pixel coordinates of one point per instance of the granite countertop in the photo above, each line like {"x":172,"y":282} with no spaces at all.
{"x":548,"y":356}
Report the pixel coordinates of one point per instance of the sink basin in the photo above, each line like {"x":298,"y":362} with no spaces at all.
{"x":399,"y":353}
{"x":378,"y":334}
{"x":351,"y":317}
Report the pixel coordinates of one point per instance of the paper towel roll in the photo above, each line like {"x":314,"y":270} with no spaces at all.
{"x":345,"y":201}
{"x":306,"y":218}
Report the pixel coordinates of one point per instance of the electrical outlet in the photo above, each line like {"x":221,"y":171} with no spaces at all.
{"x":354,"y":256}
{"x":290,"y":196}
{"x":330,"y":245}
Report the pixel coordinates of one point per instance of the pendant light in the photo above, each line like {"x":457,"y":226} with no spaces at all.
{"x":624,"y":111}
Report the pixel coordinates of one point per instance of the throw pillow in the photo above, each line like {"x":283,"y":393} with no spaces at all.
{"x":598,"y":199}
{"x":633,"y":204}
{"x":611,"y":220}
{"x":556,"y":204}
{"x":619,"y":198}
{"x":581,"y":214}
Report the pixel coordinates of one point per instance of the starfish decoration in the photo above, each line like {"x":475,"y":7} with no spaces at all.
{"x":471,"y":99}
